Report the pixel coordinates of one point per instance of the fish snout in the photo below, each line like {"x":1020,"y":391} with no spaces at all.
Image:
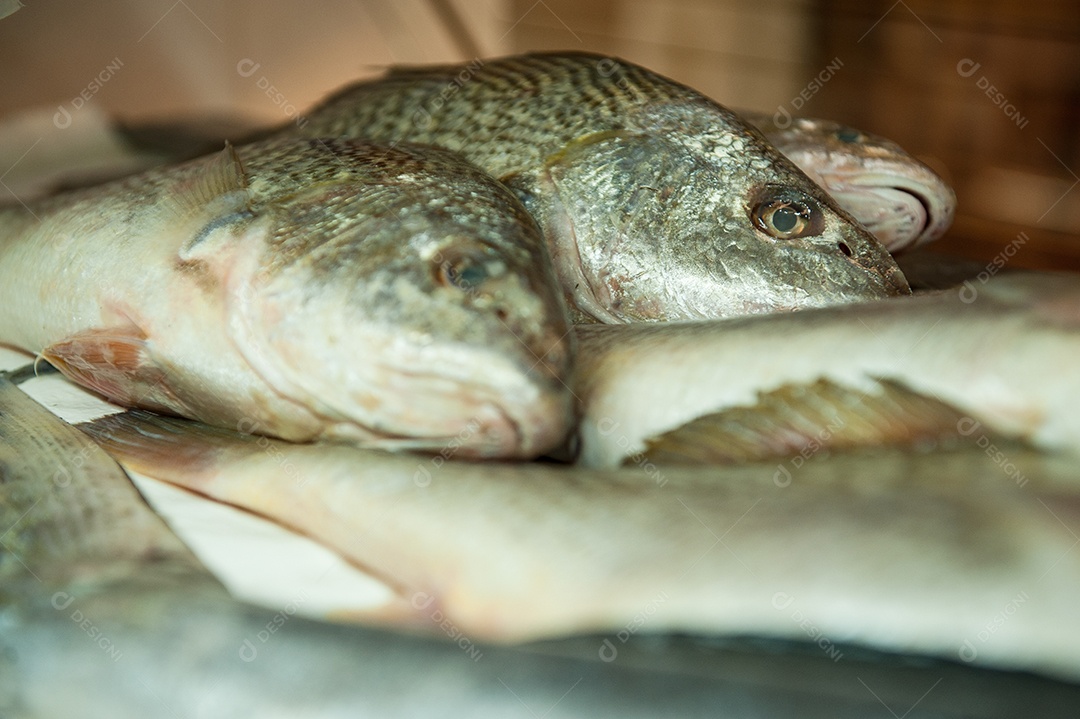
{"x":543,"y":424}
{"x":517,"y":412}
{"x":865,"y":252}
{"x":904,"y":206}
{"x":522,"y":357}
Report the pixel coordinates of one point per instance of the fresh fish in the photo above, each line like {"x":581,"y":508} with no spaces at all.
{"x":302,"y":288}
{"x":657,"y":203}
{"x":177,"y":654}
{"x":899,"y":199}
{"x":907,"y":552}
{"x":70,"y":518}
{"x":68,"y":510}
{"x":975,"y":362}
{"x":125,"y":623}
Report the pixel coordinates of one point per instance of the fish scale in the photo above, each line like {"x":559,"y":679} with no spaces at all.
{"x":415,"y":283}
{"x":67,"y":511}
{"x":577,"y":136}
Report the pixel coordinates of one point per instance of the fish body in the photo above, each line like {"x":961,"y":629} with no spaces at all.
{"x":104,"y":614}
{"x":975,"y":359}
{"x":190,"y":657}
{"x":903,"y":552}
{"x":302,"y":288}
{"x":901,"y":200}
{"x":72,"y":519}
{"x":656,"y":202}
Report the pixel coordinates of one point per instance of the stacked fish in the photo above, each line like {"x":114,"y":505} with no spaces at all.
{"x":490,"y":268}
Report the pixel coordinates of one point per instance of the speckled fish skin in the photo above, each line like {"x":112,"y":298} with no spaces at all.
{"x":71,"y":517}
{"x":336,"y":289}
{"x":645,"y":190}
{"x":905,"y":552}
{"x":899,"y":199}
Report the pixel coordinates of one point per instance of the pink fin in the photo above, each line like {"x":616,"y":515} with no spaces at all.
{"x":116,"y":364}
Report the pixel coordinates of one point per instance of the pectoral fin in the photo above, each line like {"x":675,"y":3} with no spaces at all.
{"x":795,"y":419}
{"x":115,"y":363}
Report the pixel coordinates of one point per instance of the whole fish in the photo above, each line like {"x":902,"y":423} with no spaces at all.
{"x":656,"y":202}
{"x":104,"y":614}
{"x":986,"y":359}
{"x":899,"y":199}
{"x":907,"y":552}
{"x":304,"y":288}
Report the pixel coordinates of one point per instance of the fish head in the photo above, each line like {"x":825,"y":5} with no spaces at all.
{"x":680,"y":219}
{"x":408,"y":300}
{"x":901,"y":200}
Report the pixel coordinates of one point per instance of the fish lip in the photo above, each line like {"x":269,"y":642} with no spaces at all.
{"x":937,"y":199}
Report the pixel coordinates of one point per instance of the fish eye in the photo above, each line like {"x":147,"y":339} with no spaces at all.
{"x":462,"y":274}
{"x":462,"y":270}
{"x":784,"y":216}
{"x":849,"y":135}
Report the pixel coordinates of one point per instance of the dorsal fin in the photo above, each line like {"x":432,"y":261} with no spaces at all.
{"x":220,"y":182}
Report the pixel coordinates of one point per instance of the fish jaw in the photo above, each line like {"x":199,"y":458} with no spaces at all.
{"x":436,"y":398}
{"x":432,"y":386}
{"x":904,"y":204}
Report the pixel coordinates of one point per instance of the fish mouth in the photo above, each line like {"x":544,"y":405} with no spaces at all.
{"x":901,"y":208}
{"x":402,"y":395}
{"x":472,"y":422}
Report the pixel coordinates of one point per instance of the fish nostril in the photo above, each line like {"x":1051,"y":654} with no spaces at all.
{"x":845,"y":249}
{"x":502,"y":313}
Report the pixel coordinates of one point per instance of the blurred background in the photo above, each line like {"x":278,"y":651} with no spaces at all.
{"x":985,"y":91}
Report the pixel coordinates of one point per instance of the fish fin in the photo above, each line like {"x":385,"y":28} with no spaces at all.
{"x":116,"y":363}
{"x":161,"y":447}
{"x":222,"y":176}
{"x":219,"y":188}
{"x":796,"y":419}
